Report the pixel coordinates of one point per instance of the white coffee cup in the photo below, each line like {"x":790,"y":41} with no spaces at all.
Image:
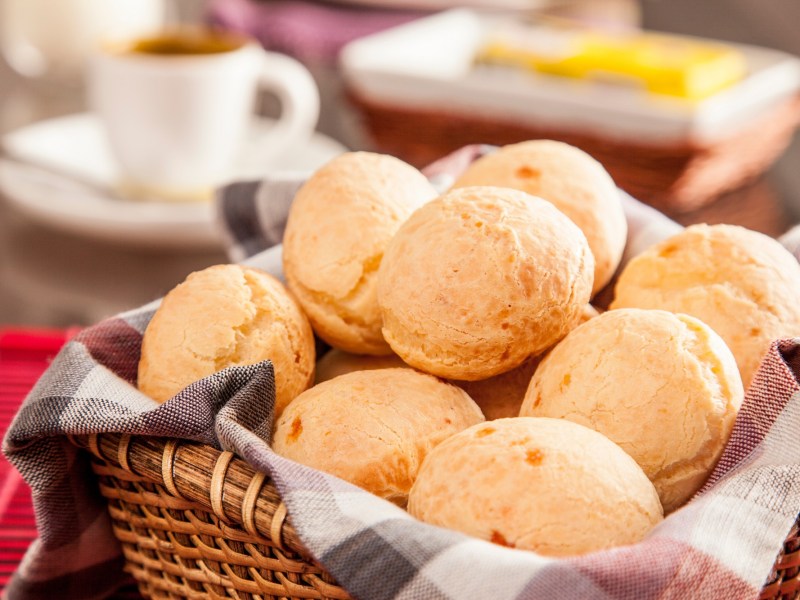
{"x":176,"y":116}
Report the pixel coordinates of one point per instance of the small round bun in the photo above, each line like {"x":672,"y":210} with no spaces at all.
{"x":576,"y":183}
{"x":225,"y":316}
{"x":546,"y":485}
{"x":663,"y":386}
{"x":743,"y":284}
{"x":339,"y":225}
{"x":337,"y":362}
{"x":373,"y":428}
{"x":501,"y":396}
{"x":480,"y":279}
{"x":588,"y":312}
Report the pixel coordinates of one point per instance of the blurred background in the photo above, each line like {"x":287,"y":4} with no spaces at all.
{"x":723,"y":154}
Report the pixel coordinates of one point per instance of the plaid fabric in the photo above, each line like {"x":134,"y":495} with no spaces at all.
{"x":722,"y":544}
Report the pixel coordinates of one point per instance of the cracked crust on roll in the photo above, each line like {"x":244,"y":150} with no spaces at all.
{"x":741,"y":283}
{"x":573,"y":181}
{"x":339,"y":225}
{"x":547,"y":485}
{"x":663,"y":386}
{"x":373,"y":428}
{"x":223,"y":316}
{"x":479,"y":280}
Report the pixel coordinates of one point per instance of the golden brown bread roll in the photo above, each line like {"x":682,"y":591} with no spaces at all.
{"x":480,"y":279}
{"x":547,"y":485}
{"x":663,"y":386}
{"x":373,"y":428}
{"x":576,"y":183}
{"x":337,"y":362}
{"x":224,"y":316}
{"x":741,"y":283}
{"x":501,"y":396}
{"x":339,"y":225}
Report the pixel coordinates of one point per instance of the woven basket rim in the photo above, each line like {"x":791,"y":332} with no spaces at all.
{"x":239,"y":495}
{"x":218,"y":481}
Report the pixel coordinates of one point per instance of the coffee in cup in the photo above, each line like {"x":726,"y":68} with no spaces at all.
{"x":176,"y":107}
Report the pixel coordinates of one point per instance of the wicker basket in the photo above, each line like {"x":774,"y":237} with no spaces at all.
{"x":198,"y":523}
{"x":674,"y":178}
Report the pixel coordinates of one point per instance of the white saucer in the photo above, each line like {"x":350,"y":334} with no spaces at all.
{"x":75,"y":145}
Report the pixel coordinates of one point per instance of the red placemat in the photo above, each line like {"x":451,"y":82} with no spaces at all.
{"x":24,"y":355}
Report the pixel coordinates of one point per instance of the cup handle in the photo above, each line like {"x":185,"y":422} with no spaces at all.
{"x":298,"y":95}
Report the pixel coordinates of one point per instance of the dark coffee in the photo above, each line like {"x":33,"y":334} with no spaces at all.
{"x":184,"y":43}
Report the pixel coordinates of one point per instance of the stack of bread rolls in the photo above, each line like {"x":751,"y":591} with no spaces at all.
{"x":471,"y":381}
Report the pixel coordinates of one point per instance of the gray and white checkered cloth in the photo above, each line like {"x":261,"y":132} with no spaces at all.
{"x":721,"y":545}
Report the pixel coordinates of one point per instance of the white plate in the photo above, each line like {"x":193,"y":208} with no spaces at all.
{"x":74,"y":150}
{"x":428,"y":64}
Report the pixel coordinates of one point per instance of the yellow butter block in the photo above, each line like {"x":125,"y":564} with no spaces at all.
{"x":663,"y":64}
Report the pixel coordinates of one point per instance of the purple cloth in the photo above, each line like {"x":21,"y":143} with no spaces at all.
{"x":309,"y":31}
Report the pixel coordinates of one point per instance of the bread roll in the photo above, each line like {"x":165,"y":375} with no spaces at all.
{"x":743,"y":284}
{"x":501,"y":396}
{"x":662,"y":386}
{"x":546,"y":485}
{"x":339,"y":225}
{"x":337,"y":362}
{"x":373,"y":428}
{"x":225,"y":316}
{"x":577,"y":184}
{"x":479,"y":280}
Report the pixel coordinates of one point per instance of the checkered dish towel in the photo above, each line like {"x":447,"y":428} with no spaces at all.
{"x":723,"y":543}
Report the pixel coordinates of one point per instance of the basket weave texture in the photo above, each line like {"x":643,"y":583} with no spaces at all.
{"x":198,"y":523}
{"x":675,"y":177}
